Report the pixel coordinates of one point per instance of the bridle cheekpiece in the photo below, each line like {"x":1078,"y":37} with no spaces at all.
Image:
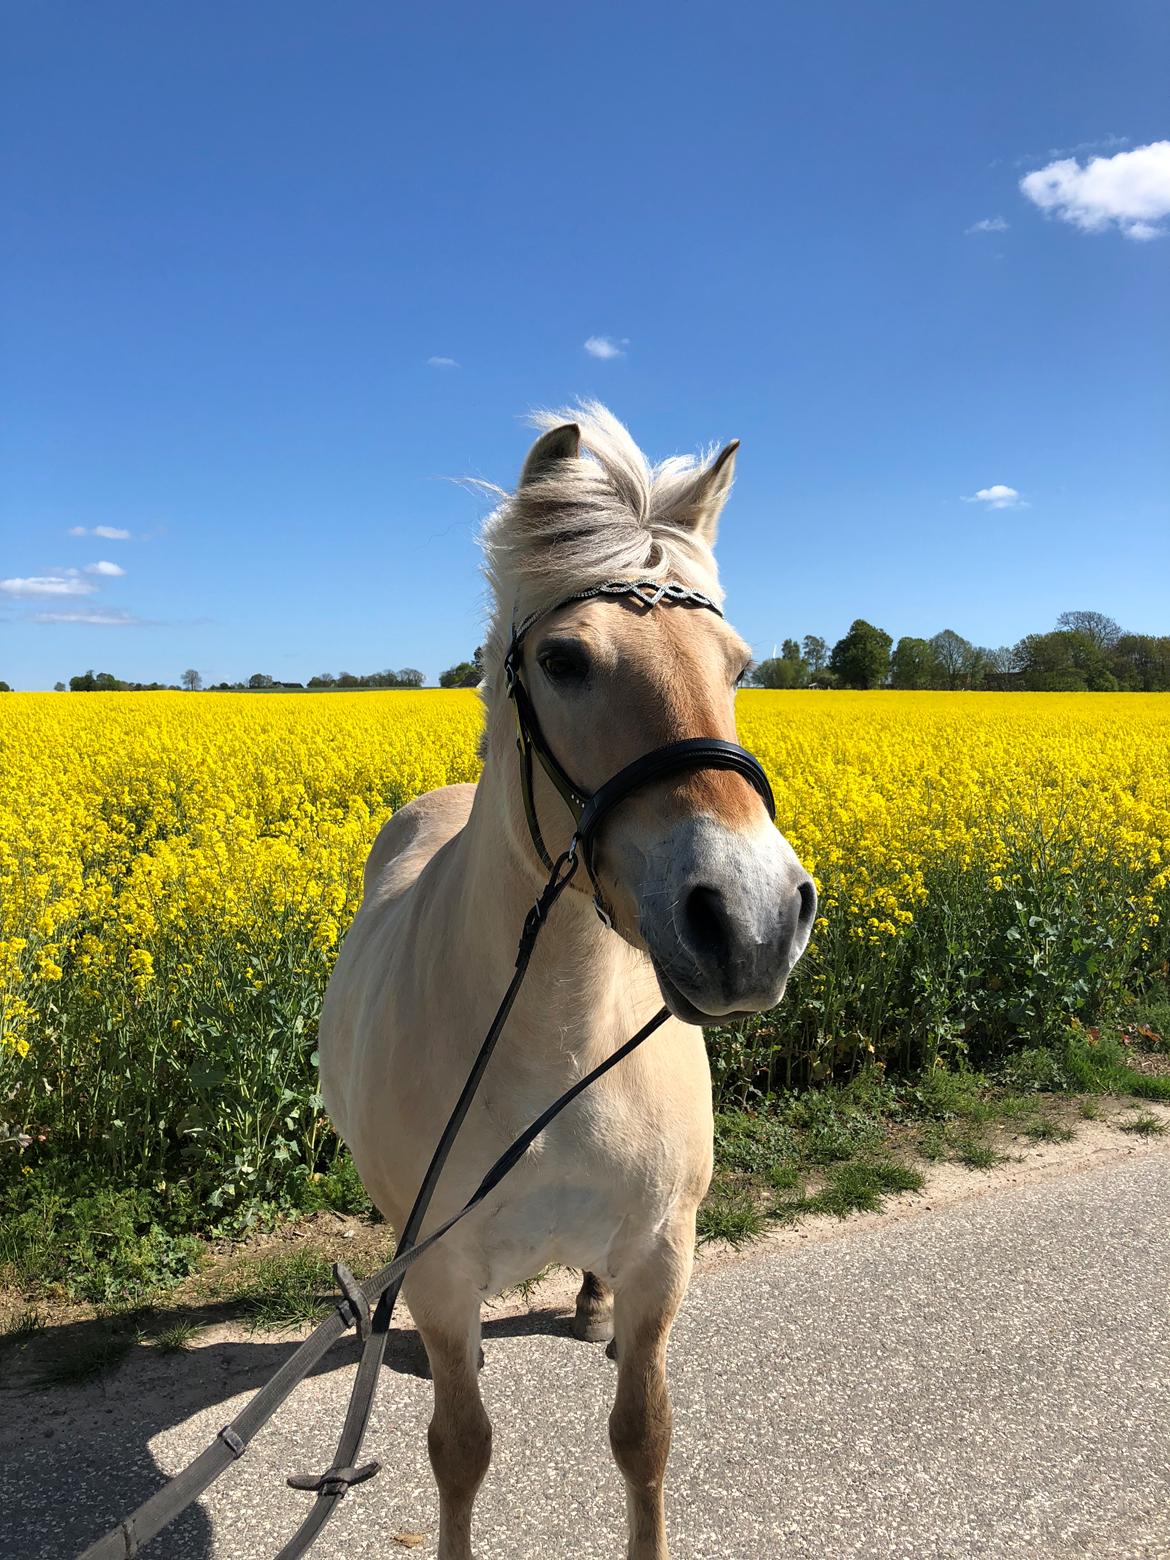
{"x":590,"y":808}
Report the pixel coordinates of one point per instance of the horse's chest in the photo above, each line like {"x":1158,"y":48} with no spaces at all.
{"x":570,"y":1204}
{"x":548,"y":1223}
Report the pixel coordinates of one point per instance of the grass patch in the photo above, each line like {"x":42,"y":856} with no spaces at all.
{"x":832,"y":1125}
{"x":283,"y":1288}
{"x":1045,"y":1130}
{"x":1145,"y":1125}
{"x":22,"y":1327}
{"x":1015,"y":1107}
{"x":1102,"y":1068}
{"x":730,"y":1213}
{"x":527,"y":1287}
{"x":959,"y":1142}
{"x":975,"y":1152}
{"x":824,"y":1149}
{"x":177,"y":1337}
{"x":754,"y":1143}
{"x":862,"y":1187}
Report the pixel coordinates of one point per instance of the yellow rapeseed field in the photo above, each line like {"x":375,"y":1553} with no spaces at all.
{"x":132,"y":823}
{"x":877,"y":792}
{"x":176,"y":871}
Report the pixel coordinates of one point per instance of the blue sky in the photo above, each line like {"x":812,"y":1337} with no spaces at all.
{"x":238,"y":237}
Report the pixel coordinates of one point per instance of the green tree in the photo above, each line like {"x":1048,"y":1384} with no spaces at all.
{"x":99,"y":682}
{"x":410,"y":677}
{"x":998,"y":668}
{"x":1063,"y":662}
{"x":260,"y":680}
{"x":1141,"y":663}
{"x":1102,"y":630}
{"x":913,"y":664}
{"x":4,"y":688}
{"x":862,"y":658}
{"x":955,"y":657}
{"x":780,"y":671}
{"x":463,"y":675}
{"x":815,"y":653}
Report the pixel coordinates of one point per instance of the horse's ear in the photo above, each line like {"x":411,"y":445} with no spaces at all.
{"x":563,"y":443}
{"x":700,"y":508}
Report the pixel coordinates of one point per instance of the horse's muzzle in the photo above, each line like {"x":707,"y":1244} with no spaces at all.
{"x":725,"y":920}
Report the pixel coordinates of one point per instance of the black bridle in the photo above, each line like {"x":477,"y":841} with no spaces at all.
{"x":590,"y":809}
{"x":380,"y":1292}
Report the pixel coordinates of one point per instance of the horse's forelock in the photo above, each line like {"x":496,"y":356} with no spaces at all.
{"x":604,"y":514}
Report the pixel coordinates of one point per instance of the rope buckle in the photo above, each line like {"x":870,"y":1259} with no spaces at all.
{"x":334,"y":1481}
{"x":353,"y":1307}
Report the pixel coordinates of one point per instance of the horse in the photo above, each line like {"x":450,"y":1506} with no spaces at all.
{"x":706,"y":909}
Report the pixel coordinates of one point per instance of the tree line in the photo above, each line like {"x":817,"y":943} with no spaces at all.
{"x":1085,"y":652}
{"x":192,"y":682}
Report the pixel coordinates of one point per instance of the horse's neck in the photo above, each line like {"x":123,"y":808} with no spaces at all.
{"x":586,"y":987}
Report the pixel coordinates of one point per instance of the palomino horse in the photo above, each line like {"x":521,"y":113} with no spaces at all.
{"x":710,"y":911}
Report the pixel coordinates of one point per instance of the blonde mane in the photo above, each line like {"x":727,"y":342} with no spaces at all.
{"x":605,"y":514}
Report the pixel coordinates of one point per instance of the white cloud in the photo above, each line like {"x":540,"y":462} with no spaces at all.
{"x":606,"y":346}
{"x":441,"y":362}
{"x":104,"y":567}
{"x":112,"y":533}
{"x":988,"y":225}
{"x":48,"y":585}
{"x":998,"y":496}
{"x":77,"y":530}
{"x":1130,"y":189}
{"x":98,"y":617}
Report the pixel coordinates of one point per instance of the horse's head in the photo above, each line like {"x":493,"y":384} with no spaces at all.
{"x":692,"y":867}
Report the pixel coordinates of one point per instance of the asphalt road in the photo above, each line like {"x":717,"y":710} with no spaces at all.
{"x":989,"y":1379}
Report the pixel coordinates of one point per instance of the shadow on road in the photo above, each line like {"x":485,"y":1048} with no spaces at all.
{"x":76,"y":1452}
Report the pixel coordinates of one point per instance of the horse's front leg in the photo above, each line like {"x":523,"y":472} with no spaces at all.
{"x":647,"y":1296}
{"x":459,"y":1437}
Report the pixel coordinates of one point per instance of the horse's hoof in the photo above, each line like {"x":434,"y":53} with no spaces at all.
{"x":611,"y":1351}
{"x":592,"y":1329}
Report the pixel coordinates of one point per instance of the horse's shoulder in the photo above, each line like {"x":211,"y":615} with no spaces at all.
{"x":417,"y":830}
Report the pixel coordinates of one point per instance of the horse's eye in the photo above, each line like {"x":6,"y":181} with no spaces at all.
{"x":563,"y":663}
{"x":741,"y":676}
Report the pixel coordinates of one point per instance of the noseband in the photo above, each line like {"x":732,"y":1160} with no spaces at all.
{"x":590,"y":809}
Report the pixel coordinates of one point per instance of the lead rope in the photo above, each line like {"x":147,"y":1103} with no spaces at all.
{"x":161,"y":1509}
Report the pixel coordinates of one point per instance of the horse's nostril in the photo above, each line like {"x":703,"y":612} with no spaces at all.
{"x":707,"y":922}
{"x":808,"y":906}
